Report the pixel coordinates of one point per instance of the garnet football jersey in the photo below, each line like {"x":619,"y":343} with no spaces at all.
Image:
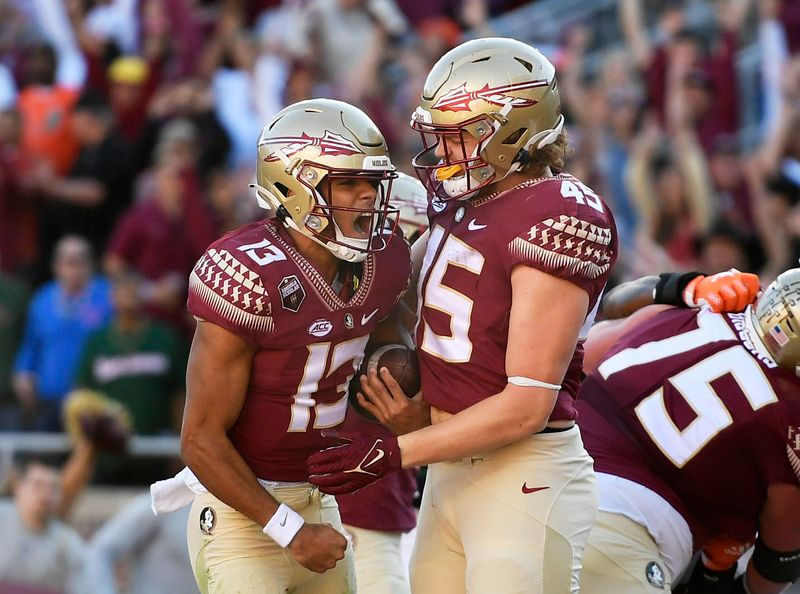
{"x":254,"y":283}
{"x":691,"y":407}
{"x":555,"y":224}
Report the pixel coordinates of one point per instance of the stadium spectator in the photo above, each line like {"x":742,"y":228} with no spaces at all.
{"x":19,"y":217}
{"x":13,"y":305}
{"x":88,"y":200}
{"x":39,"y":551}
{"x":48,"y":137}
{"x":152,"y":550}
{"x":62,"y":314}
{"x":136,"y":361}
{"x":141,"y":364}
{"x":172,"y":220}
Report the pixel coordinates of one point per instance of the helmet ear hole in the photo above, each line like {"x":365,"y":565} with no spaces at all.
{"x":515,"y":136}
{"x":282,"y":189}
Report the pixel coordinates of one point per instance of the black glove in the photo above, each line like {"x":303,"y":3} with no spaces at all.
{"x":710,"y":581}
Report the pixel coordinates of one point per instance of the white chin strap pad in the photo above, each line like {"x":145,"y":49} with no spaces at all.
{"x":527,"y":382}
{"x":545,"y":137}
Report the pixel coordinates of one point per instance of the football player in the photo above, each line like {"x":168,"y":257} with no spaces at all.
{"x":285,"y":307}
{"x":515,"y":259}
{"x":692,"y":418}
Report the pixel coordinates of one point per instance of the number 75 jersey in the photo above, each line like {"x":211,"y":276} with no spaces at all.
{"x":691,"y":406}
{"x":308,"y":340}
{"x":554,"y":224}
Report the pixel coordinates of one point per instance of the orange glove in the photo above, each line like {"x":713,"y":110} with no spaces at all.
{"x":722,"y":552}
{"x":728,"y":291}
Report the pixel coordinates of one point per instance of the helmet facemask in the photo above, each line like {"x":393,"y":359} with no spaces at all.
{"x":500,"y":93}
{"x":372,"y":227}
{"x":460,"y":173}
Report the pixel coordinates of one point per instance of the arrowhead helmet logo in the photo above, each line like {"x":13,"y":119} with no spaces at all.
{"x":330,"y":144}
{"x":459,"y":99}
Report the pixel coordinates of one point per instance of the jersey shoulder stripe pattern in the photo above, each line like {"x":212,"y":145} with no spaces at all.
{"x":232,"y":290}
{"x":570,"y":243}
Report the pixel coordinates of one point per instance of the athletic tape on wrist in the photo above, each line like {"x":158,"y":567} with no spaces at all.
{"x":669,"y":289}
{"x":283,"y":525}
{"x":777,"y":566}
{"x":527,"y":382}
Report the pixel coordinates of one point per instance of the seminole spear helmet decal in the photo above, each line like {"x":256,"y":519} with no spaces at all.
{"x":309,"y":144}
{"x":500,"y":91}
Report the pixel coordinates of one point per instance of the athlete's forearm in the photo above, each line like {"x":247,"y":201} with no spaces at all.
{"x":629,"y":297}
{"x":221,"y":469}
{"x":494,"y":422}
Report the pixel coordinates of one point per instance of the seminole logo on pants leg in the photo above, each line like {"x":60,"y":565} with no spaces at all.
{"x":208,"y":519}
{"x":655,"y":575}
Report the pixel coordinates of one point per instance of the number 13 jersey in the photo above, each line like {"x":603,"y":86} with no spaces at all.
{"x":308,"y":341}
{"x":554,"y":224}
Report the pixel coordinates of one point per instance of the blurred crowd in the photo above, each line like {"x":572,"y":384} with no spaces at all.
{"x":127,"y":142}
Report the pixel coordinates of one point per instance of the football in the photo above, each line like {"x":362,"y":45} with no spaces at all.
{"x":400,"y":360}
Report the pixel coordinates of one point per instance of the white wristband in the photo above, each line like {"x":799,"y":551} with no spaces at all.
{"x":528,"y":382}
{"x":283,"y":526}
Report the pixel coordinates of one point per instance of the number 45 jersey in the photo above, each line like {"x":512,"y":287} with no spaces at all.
{"x":554,"y":224}
{"x":308,"y":341}
{"x":691,"y":406}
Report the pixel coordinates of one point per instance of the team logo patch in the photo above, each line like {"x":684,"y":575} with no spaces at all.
{"x":459,"y":99}
{"x":208,"y":519}
{"x":655,"y":575}
{"x":460,"y":214}
{"x":292,"y":293}
{"x":329,"y":144}
{"x":438,"y":205}
{"x":349,"y":322}
{"x":320,"y":328}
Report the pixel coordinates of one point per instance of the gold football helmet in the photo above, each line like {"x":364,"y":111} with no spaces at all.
{"x":500,"y":91}
{"x":776,"y":317}
{"x":410,"y":198}
{"x":314,"y":142}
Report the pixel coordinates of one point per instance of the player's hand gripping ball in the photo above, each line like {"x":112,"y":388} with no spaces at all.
{"x":402,"y":364}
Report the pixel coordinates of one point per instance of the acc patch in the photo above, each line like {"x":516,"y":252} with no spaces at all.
{"x":292,"y":293}
{"x":320,"y":328}
{"x":655,"y":575}
{"x":208,"y":519}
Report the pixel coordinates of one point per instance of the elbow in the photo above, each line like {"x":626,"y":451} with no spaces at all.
{"x":534,"y":424}
{"x":192,"y":445}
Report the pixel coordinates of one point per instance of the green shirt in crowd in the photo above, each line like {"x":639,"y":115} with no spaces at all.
{"x":143,"y":370}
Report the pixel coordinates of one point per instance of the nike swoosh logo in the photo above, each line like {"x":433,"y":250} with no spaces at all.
{"x":378,"y":455}
{"x":474,"y":226}
{"x":283,"y":521}
{"x":526,"y":489}
{"x":365,"y":319}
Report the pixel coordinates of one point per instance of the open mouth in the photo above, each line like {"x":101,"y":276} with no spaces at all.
{"x":362,"y":224}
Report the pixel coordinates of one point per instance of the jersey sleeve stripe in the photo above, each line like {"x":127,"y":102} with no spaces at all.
{"x":551,"y":260}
